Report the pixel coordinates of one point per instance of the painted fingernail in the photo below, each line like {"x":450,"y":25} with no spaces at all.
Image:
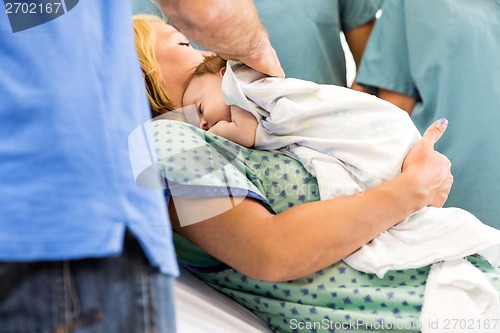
{"x":443,"y":122}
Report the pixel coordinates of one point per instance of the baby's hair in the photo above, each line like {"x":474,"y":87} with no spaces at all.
{"x":211,"y":65}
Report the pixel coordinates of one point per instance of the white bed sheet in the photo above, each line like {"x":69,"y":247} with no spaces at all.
{"x":200,"y":309}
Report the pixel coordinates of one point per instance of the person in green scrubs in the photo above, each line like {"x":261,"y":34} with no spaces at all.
{"x":306,"y":35}
{"x":145,"y":7}
{"x":440,"y":59}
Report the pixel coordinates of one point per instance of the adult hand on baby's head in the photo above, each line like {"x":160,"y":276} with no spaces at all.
{"x":262,"y":58}
{"x":431,"y":169}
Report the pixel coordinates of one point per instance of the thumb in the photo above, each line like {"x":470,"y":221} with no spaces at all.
{"x":435,"y":131}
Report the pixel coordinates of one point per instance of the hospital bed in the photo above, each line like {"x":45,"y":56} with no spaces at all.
{"x":200,"y":309}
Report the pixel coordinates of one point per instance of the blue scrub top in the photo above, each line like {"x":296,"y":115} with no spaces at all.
{"x":446,"y":54}
{"x":71,"y":92}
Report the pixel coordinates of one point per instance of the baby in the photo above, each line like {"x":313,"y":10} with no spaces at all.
{"x":204,"y":90}
{"x":349,"y":140}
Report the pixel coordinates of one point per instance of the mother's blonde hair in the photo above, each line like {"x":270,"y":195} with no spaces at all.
{"x":145,"y":41}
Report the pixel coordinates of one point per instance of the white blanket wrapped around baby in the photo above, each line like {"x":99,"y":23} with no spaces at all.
{"x":352,"y":141}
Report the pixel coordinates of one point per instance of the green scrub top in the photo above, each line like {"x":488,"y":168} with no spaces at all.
{"x":446,"y":54}
{"x":306,"y":34}
{"x":145,"y":7}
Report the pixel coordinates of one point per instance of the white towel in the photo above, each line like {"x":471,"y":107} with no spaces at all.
{"x":459,"y":298}
{"x":428,"y":236}
{"x":324,"y":125}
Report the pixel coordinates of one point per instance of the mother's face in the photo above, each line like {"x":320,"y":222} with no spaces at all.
{"x":176,"y":59}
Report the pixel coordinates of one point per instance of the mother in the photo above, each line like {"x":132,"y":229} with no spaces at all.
{"x":279,"y":252}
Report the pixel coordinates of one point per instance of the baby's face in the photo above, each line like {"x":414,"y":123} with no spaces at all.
{"x":205,"y":92}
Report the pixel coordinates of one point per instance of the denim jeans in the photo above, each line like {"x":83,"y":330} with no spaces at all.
{"x":122,"y":294}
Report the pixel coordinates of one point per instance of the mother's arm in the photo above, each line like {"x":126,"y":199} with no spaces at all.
{"x":312,"y":236}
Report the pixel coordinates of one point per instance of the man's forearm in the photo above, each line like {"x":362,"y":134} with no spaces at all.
{"x":230,"y":28}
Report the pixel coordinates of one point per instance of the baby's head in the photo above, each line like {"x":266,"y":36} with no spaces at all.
{"x":211,"y":65}
{"x":203,"y":89}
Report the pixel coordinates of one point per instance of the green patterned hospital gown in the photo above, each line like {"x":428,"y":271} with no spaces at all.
{"x":335,"y":299}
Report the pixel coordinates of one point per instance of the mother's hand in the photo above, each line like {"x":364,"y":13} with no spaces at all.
{"x":431,"y":169}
